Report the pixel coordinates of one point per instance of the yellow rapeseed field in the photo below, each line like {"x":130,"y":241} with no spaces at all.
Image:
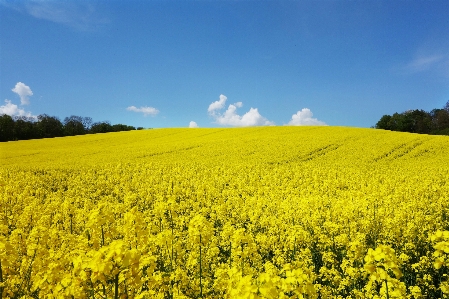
{"x":266,"y":212}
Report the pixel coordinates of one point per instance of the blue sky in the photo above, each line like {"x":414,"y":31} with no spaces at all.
{"x":224,"y":63}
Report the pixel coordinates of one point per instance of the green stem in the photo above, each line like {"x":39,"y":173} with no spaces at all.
{"x":201,"y":274}
{"x":294,"y":249}
{"x":102,"y":236}
{"x":230,"y":255}
{"x":242,"y":260}
{"x":386,"y":285}
{"x":116,"y":286}
{"x":71,"y":224}
{"x":1,"y":280}
{"x":171,"y":260}
{"x":27,"y":278}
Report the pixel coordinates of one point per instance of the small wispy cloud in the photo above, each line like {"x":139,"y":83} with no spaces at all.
{"x":144,"y":109}
{"x":424,"y":63}
{"x":430,"y":58}
{"x":24,"y":93}
{"x":193,"y":124}
{"x":304,"y":117}
{"x":80,"y":15}
{"x":231,"y":118}
{"x":13,"y":110}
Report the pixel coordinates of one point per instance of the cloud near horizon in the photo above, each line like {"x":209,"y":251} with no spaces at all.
{"x":14,"y":110}
{"x":24,"y":93}
{"x":193,"y":124}
{"x":144,"y":109}
{"x":231,"y":118}
{"x":11,"y":109}
{"x":304,"y":118}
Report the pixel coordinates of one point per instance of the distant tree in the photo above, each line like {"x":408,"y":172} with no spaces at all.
{"x":406,"y":123}
{"x":139,"y":128}
{"x":420,"y":121}
{"x":440,"y":119}
{"x":443,"y":132}
{"x":100,"y":127}
{"x":384,"y":123}
{"x":417,"y":121}
{"x":49,"y":126}
{"x":414,"y":121}
{"x":6,"y":128}
{"x":45,"y":126}
{"x":400,"y":122}
{"x":120,"y":127}
{"x":25,"y":128}
{"x":73,"y":125}
{"x":87,"y":123}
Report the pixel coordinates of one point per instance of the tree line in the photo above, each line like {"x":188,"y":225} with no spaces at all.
{"x":44,"y":126}
{"x":417,"y":121}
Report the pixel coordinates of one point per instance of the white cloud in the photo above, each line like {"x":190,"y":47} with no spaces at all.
{"x":144,"y":109}
{"x":230,"y":116}
{"x":304,"y":118}
{"x":217,"y":105}
{"x":193,"y":124}
{"x":80,"y":15}
{"x":424,"y":63}
{"x":431,"y":57}
{"x":24,"y":92}
{"x":14,"y":110}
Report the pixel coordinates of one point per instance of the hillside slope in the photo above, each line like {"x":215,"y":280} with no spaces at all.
{"x":262,"y":144}
{"x":267,"y":212}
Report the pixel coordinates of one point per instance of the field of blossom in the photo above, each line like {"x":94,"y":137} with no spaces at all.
{"x":265,"y":212}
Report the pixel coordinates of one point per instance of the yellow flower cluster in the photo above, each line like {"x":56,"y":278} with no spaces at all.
{"x":441,"y":238}
{"x":267,"y":212}
{"x":380,"y":264}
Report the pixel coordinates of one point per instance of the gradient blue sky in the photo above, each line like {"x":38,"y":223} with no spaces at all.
{"x":224,"y":63}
